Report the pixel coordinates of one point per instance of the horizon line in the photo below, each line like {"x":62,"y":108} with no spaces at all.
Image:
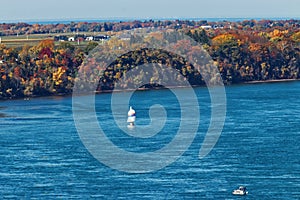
{"x":115,"y":19}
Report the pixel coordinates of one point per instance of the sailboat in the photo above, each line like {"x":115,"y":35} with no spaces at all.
{"x":131,"y":117}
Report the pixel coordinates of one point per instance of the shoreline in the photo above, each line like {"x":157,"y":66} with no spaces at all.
{"x":271,"y":81}
{"x":147,"y":89}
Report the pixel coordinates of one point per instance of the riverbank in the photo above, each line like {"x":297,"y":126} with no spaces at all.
{"x":271,"y":81}
{"x":143,"y":89}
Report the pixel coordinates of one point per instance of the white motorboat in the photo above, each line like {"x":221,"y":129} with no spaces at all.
{"x":240,"y":191}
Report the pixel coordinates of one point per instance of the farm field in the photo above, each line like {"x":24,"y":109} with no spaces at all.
{"x":34,"y":39}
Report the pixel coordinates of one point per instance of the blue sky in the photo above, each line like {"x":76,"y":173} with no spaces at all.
{"x":91,"y":9}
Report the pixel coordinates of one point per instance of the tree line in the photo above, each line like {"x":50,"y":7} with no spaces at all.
{"x":245,"y":52}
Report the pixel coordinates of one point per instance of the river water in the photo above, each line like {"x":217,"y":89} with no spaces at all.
{"x":43,"y":157}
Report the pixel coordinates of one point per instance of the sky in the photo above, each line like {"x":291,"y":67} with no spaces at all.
{"x":23,"y":10}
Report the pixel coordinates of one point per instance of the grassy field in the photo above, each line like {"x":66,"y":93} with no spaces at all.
{"x":20,"y":42}
{"x":34,"y":39}
{"x":33,"y":42}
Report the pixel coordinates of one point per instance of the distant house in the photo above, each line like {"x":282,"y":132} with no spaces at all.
{"x":218,"y":27}
{"x":61,"y":38}
{"x":101,"y":37}
{"x":71,"y":39}
{"x":80,"y":37}
{"x":206,"y":27}
{"x":89,"y":38}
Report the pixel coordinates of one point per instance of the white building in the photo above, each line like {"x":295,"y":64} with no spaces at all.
{"x":71,"y":39}
{"x":206,"y":27}
{"x":90,"y":38}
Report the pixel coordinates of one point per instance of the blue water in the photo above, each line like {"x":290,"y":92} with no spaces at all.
{"x":42,"y":156}
{"x":116,"y":19}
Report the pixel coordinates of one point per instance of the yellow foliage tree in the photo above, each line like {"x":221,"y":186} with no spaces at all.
{"x":46,"y":44}
{"x":58,"y":76}
{"x":296,"y":37}
{"x":224,"y":39}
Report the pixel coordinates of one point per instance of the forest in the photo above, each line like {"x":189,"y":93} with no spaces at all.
{"x":242,"y":51}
